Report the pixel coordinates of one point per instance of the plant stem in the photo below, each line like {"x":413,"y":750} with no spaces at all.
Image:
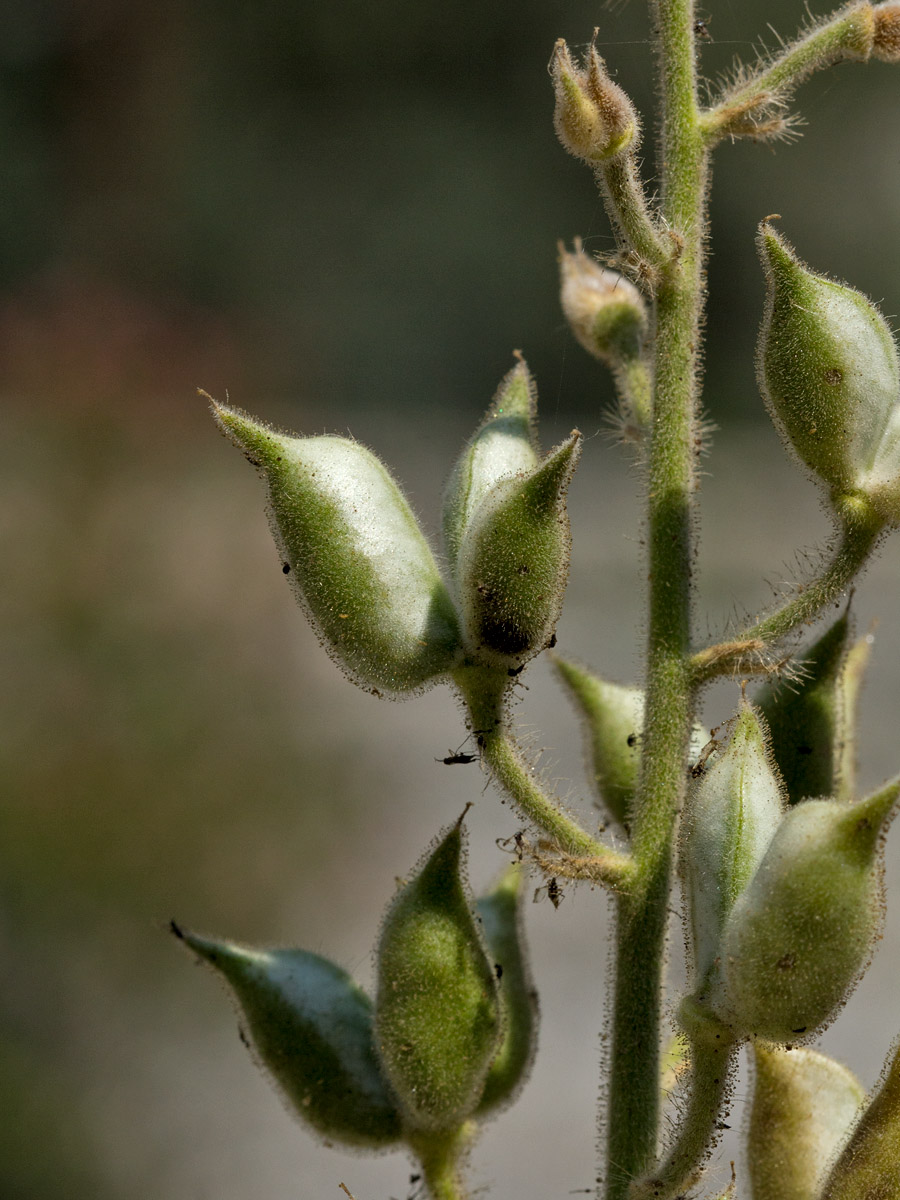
{"x":484,"y":692}
{"x":440,"y":1156}
{"x":642,"y":913}
{"x":860,"y":531}
{"x":627,"y":204}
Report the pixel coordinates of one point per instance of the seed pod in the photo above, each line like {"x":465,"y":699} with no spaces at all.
{"x":437,"y":1014}
{"x":804,"y":1107}
{"x":849,"y":688}
{"x":605,"y":311}
{"x":869,"y":1167}
{"x":800,"y":934}
{"x":827,"y":367}
{"x":501,"y":920}
{"x":886,"y":45}
{"x":504,"y":444}
{"x":311,"y":1028}
{"x":594,"y":118}
{"x":806,"y":718}
{"x":731,"y":814}
{"x":514,"y":562}
{"x":358,"y":561}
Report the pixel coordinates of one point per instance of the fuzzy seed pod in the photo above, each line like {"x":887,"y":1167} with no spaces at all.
{"x":828,"y":371}
{"x":514,"y":562}
{"x":613,"y":718}
{"x":869,"y":1168}
{"x":800,"y":934}
{"x":849,"y":688}
{"x":806,"y":718}
{"x":311,"y":1027}
{"x":594,"y":118}
{"x":605,"y":311}
{"x":804,"y":1107}
{"x":357,"y":559}
{"x":504,"y":444}
{"x":886,"y":43}
{"x":501,"y":920}
{"x":731,"y":814}
{"x":438,"y":1020}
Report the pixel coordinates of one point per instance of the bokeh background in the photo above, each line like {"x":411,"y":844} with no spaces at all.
{"x":343,"y":216}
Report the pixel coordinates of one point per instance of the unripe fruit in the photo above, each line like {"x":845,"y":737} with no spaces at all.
{"x":504,"y":444}
{"x":501,"y":921}
{"x":514,"y":562}
{"x":828,"y":369}
{"x":594,"y":118}
{"x":357,"y":559}
{"x":800,"y":934}
{"x":605,"y":311}
{"x":869,"y":1168}
{"x":311,"y":1027}
{"x":804,"y":1107}
{"x":731,"y":814}
{"x":438,"y":1021}
{"x":806,"y":717}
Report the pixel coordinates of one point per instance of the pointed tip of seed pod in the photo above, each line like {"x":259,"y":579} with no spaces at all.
{"x":881,"y":807}
{"x":551,"y":478}
{"x":777,"y":254}
{"x":516,"y":397}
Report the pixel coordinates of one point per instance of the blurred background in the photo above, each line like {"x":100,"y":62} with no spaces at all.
{"x":344,"y":217}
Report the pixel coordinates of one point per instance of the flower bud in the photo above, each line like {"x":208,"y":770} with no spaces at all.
{"x":613,"y":718}
{"x":806,"y":717}
{"x":605,"y":311}
{"x":357,"y":559}
{"x":801,"y":933}
{"x":731,"y":814}
{"x":514,"y":562}
{"x":504,"y":444}
{"x":594,"y":118}
{"x":311,"y":1027}
{"x":501,"y":921}
{"x":827,"y":367}
{"x":804,"y":1107}
{"x":870,"y":1164}
{"x":438,"y":1022}
{"x":886,"y":44}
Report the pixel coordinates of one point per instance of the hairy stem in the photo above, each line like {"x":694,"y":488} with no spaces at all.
{"x":484,"y":692}
{"x":848,"y":34}
{"x":626,"y":203}
{"x":642,"y":913}
{"x":440,"y":1157}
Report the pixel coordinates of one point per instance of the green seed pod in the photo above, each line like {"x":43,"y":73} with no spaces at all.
{"x":613,"y":718}
{"x":827,"y":365}
{"x":504,"y":444}
{"x":438,"y":1021}
{"x":501,"y":920}
{"x":605,"y":311}
{"x":849,"y":687}
{"x":804,"y":1107}
{"x":800,"y":934}
{"x":869,"y":1168}
{"x":514,"y":562}
{"x":357,"y":559}
{"x":806,"y":719}
{"x":311,"y":1026}
{"x":731,"y":814}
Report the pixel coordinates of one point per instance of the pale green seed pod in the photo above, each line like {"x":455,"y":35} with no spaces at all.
{"x":438,"y":1020}
{"x":605,"y":311}
{"x":311,"y":1027}
{"x":358,"y":562}
{"x":800,"y":934}
{"x":828,"y":368}
{"x":869,"y":1168}
{"x":731,"y":814}
{"x":613,"y":717}
{"x":804,"y":1107}
{"x":514,"y":562}
{"x":501,"y":921}
{"x":594,"y":118}
{"x":504,"y":444}
{"x":806,"y":717}
{"x":849,"y":688}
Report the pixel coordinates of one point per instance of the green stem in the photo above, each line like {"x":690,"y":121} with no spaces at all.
{"x":849,"y":34}
{"x":634,"y":382}
{"x":713,"y":1050}
{"x":627,"y":205}
{"x":484,"y":692}
{"x":642,"y":913}
{"x":860,"y":531}
{"x":440,"y":1156}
